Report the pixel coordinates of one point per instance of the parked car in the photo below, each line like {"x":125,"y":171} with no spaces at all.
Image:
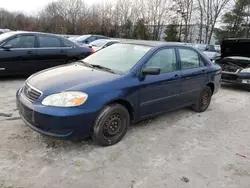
{"x":87,"y":39}
{"x":209,"y":50}
{"x":107,"y":91}
{"x":102,"y":43}
{"x":27,"y":52}
{"x":217,"y":48}
{"x":235,"y":61}
{"x":4,"y":31}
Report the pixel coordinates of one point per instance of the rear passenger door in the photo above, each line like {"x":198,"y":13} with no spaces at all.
{"x":51,"y":51}
{"x":193,"y":75}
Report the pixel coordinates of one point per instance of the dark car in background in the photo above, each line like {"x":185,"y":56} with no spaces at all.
{"x":24,"y":53}
{"x":124,"y":83}
{"x":235,"y":61}
{"x":86,"y":39}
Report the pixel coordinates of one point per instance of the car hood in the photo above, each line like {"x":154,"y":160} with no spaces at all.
{"x":69,"y":77}
{"x":235,"y":47}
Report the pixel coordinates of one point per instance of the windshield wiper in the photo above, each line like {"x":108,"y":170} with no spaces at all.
{"x":85,"y":63}
{"x":104,"y":68}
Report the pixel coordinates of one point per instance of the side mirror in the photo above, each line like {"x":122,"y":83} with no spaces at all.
{"x":7,"y":46}
{"x":151,"y":71}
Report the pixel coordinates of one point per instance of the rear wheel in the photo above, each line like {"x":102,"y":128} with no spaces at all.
{"x":204,"y":100}
{"x":111,"y":125}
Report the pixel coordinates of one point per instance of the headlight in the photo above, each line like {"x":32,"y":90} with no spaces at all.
{"x":65,"y":99}
{"x":247,"y":70}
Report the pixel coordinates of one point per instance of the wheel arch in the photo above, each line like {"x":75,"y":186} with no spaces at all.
{"x":127,"y":105}
{"x":211,"y":85}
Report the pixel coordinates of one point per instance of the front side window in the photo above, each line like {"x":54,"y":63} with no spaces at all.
{"x":49,"y":42}
{"x":189,"y":59}
{"x":165,"y":60}
{"x":118,"y":57}
{"x":22,"y":42}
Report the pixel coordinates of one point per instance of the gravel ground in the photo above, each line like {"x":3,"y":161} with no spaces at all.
{"x":161,"y":152}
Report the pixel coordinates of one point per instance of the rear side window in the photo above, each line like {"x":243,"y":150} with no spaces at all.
{"x":49,"y":42}
{"x":190,"y":59}
{"x":91,"y":39}
{"x":67,"y":43}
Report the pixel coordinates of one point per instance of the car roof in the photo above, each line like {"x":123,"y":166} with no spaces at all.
{"x":153,"y":43}
{"x":31,"y":32}
{"x":107,"y":40}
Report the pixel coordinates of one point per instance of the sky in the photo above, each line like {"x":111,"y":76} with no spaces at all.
{"x":30,"y":6}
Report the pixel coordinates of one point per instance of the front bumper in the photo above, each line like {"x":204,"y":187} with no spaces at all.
{"x":236,"y":78}
{"x":67,"y":123}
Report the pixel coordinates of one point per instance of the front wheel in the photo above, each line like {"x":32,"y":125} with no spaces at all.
{"x":204,"y":100}
{"x":111,"y":125}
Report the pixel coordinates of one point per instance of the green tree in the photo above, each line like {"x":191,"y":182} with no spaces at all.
{"x":235,"y":22}
{"x":141,"y":30}
{"x":127,"y":29}
{"x":171,"y":33}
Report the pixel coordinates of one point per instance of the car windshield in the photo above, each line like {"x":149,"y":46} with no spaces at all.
{"x":81,"y":38}
{"x":118,"y":57}
{"x":5,"y":36}
{"x":98,"y":43}
{"x":201,"y":47}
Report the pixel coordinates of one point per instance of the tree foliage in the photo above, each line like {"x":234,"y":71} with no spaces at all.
{"x":143,"y":19}
{"x":236,"y":22}
{"x":171,"y":33}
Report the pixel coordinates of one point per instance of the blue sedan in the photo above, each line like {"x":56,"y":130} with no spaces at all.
{"x":101,"y":95}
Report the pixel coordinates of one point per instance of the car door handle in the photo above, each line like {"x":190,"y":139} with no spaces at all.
{"x":63,"y":51}
{"x":30,"y":52}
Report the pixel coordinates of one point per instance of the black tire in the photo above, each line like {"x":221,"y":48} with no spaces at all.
{"x":111,"y":125}
{"x":204,"y":100}
{"x":248,"y":88}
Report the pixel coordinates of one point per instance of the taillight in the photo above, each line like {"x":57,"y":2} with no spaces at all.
{"x":92,"y":51}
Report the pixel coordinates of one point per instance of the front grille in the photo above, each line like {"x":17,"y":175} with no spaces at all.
{"x":229,"y":76}
{"x":31,"y":93}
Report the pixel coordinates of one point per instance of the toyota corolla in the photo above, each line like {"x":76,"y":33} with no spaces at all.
{"x":101,"y":95}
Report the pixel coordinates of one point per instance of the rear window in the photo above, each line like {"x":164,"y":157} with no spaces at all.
{"x":98,"y":43}
{"x":118,"y":57}
{"x":49,"y":42}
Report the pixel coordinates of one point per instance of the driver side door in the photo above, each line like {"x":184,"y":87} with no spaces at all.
{"x":159,"y":93}
{"x":20,"y":57}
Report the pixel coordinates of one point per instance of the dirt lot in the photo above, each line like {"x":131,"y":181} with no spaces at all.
{"x":154,"y":153}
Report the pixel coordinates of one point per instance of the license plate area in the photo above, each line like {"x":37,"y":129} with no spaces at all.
{"x":246,"y":81}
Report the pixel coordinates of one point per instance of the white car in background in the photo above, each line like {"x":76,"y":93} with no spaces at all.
{"x":102,"y":43}
{"x":209,"y":50}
